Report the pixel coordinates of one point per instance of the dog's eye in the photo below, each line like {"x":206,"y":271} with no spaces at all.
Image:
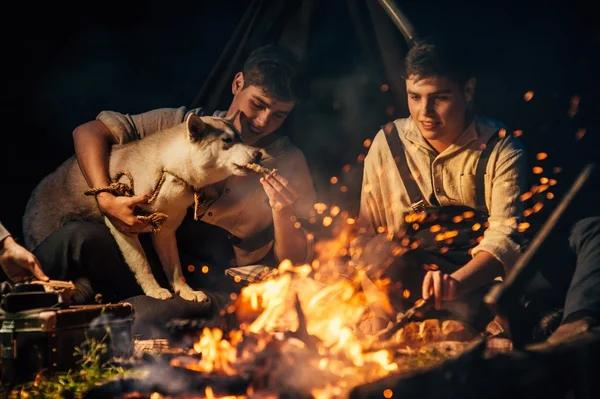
{"x":228,"y":140}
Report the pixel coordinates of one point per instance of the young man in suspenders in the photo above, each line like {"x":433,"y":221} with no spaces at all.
{"x":448,"y":179}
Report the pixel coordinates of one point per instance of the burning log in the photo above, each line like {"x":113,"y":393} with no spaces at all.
{"x":418,"y":334}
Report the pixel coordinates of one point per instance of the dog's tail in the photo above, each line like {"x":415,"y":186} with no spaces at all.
{"x":83,"y":293}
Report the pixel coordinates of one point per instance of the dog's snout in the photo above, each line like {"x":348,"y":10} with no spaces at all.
{"x":257,"y":155}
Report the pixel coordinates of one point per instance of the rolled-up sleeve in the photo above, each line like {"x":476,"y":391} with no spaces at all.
{"x":502,"y":238}
{"x":126,"y":128}
{"x":3,"y":233}
{"x":370,"y":215}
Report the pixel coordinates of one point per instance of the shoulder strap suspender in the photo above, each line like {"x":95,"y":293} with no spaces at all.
{"x":414,"y":194}
{"x":480,"y":173}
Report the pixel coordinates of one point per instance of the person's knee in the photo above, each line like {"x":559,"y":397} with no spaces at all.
{"x":68,"y":241}
{"x":86,"y":235}
{"x":81,"y":240}
{"x":585,"y":229}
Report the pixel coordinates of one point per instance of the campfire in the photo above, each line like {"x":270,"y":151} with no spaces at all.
{"x":300,"y":335}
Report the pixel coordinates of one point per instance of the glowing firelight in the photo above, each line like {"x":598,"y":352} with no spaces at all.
{"x":334,"y":211}
{"x":320,"y":207}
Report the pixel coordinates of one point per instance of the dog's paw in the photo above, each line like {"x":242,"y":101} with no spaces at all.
{"x":195,"y":296}
{"x":160,"y":293}
{"x":190,"y":295}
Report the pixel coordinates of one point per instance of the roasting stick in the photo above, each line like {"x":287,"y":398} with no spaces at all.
{"x":381,"y":340}
{"x":403,"y":319}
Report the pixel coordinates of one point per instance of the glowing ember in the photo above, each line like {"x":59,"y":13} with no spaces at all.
{"x":574,"y":106}
{"x":320,"y":207}
{"x":334,"y":211}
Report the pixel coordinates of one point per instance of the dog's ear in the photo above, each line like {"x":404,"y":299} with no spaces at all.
{"x":232,"y":117}
{"x":195,"y":127}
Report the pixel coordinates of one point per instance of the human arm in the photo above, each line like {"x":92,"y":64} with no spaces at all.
{"x":290,"y":202}
{"x":16,"y":261}
{"x":499,"y":248}
{"x":480,"y":270}
{"x":93,"y":140}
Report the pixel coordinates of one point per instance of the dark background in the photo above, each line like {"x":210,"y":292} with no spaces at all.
{"x":62,"y":65}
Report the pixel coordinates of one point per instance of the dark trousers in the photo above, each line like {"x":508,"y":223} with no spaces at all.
{"x":88,"y":249}
{"x":571,"y":264}
{"x":584,"y":291}
{"x":568,"y":278}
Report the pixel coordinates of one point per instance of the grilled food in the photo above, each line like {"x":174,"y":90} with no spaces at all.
{"x":259,"y":169}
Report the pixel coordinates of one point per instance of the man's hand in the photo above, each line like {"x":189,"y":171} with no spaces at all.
{"x":18,"y":263}
{"x":280,"y":192}
{"x":442,"y":286}
{"x":119,"y":210}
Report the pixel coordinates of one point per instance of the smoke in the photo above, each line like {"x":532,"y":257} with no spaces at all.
{"x":115,"y":331}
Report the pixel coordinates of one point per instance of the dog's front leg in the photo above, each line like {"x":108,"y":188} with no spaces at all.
{"x":165,"y":245}
{"x":136,"y":259}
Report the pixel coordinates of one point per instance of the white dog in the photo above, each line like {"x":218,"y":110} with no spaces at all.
{"x":170,"y":167}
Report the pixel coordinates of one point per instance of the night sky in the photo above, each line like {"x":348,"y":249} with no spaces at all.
{"x":62,"y":66}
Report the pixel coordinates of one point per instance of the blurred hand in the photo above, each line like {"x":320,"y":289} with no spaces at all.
{"x":280,"y":192}
{"x":442,"y":286}
{"x":120,"y":211}
{"x":18,"y":263}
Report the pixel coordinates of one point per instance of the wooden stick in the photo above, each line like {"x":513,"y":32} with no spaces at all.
{"x":503,"y":298}
{"x":55,"y":283}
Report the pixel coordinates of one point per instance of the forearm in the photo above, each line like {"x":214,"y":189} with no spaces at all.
{"x":290,"y":242}
{"x":92,"y":142}
{"x":480,"y":270}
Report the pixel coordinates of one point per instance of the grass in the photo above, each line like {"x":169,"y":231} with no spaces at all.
{"x":92,"y":370}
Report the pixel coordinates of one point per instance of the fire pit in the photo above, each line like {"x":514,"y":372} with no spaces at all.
{"x":297,"y":337}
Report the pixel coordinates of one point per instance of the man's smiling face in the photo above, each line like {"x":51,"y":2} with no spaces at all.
{"x":260,"y":115}
{"x":438,"y":106}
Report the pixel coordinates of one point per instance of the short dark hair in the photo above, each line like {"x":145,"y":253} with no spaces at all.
{"x":436,"y":56}
{"x":277,"y":71}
